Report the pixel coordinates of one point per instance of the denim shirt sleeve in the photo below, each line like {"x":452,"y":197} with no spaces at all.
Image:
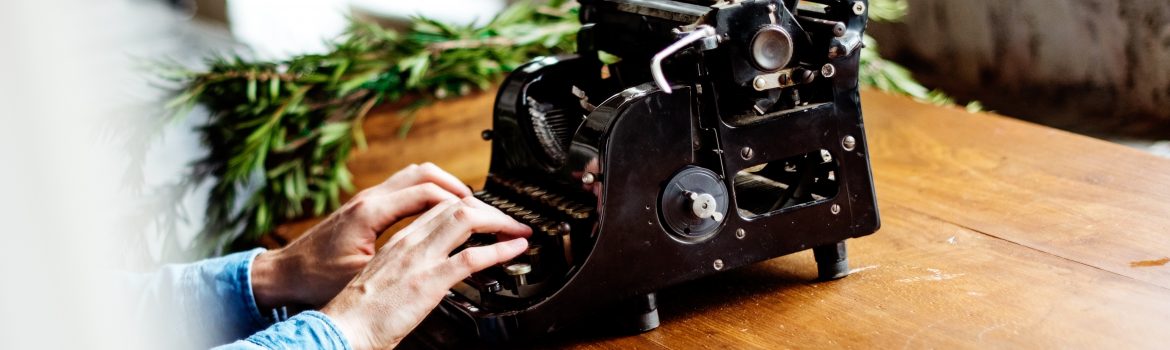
{"x":210,"y":302}
{"x":307,"y":330}
{"x":199,"y":304}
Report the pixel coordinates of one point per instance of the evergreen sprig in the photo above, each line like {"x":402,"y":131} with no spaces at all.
{"x":279,"y":133}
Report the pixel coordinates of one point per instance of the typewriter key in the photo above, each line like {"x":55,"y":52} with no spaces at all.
{"x":519,"y":271}
{"x":564,"y":206}
{"x":549,"y":228}
{"x":547,"y":198}
{"x":533,"y":254}
{"x":579,"y":212}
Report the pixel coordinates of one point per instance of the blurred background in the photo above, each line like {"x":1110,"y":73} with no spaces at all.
{"x":1097,"y":67}
{"x":70,"y":67}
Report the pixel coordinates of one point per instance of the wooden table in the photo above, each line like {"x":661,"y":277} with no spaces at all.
{"x":996,"y":232}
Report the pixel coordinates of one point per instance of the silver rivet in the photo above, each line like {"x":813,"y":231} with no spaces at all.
{"x":760,"y":83}
{"x":718,"y":264}
{"x":858,"y":8}
{"x":848,"y":143}
{"x":746,"y":153}
{"x":828,"y":70}
{"x":588,"y":178}
{"x":740,"y":233}
{"x":835,"y":209}
{"x":472,"y":309}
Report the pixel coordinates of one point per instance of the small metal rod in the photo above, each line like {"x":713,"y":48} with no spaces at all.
{"x":838,"y":28}
{"x":700,"y":32}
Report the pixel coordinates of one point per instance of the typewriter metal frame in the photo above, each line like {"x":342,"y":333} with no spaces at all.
{"x":619,"y":205}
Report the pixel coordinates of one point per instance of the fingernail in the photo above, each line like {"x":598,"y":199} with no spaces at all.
{"x":518,"y":243}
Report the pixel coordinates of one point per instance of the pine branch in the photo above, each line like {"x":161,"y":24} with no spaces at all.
{"x":279,"y":133}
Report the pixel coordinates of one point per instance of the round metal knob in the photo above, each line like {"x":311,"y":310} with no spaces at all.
{"x":704,"y":206}
{"x":771,"y":48}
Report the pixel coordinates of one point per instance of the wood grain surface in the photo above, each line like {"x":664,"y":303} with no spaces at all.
{"x":996,"y":233}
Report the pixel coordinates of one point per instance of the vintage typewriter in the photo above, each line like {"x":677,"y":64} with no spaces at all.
{"x":683,"y":139}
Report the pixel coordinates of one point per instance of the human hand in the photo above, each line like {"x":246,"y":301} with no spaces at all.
{"x":413,"y":271}
{"x":313,"y":269}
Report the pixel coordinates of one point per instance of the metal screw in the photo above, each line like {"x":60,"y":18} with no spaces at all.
{"x":806,"y":76}
{"x":835,"y":209}
{"x":740,"y":233}
{"x":828,"y":70}
{"x":588,"y":178}
{"x":760,"y":83}
{"x":848,"y":143}
{"x":839,"y":29}
{"x":858,"y":8}
{"x":747,"y":153}
{"x":718,"y":264}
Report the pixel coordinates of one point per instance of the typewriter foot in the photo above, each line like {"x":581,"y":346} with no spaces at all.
{"x":641,"y":314}
{"x":832,"y":261}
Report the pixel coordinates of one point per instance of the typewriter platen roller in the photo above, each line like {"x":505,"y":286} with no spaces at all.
{"x":683,"y":139}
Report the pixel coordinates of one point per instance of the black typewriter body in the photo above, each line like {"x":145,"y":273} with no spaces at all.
{"x":730,"y":132}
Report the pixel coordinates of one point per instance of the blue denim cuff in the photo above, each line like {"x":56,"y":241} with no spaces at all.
{"x":309,"y":329}
{"x":247,"y":296}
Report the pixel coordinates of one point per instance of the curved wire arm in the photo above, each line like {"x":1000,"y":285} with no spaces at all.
{"x":700,"y":32}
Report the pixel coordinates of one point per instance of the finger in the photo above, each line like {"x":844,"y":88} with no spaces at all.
{"x":380,"y":210}
{"x":466,"y":219}
{"x":475,"y":202}
{"x":426,"y":173}
{"x":425,"y":223}
{"x":475,"y":259}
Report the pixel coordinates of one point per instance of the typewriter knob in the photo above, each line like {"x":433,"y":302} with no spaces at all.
{"x":703,"y":205}
{"x":771,"y":48}
{"x":694,"y":203}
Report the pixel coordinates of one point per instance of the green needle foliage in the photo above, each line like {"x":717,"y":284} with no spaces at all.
{"x":279,"y":133}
